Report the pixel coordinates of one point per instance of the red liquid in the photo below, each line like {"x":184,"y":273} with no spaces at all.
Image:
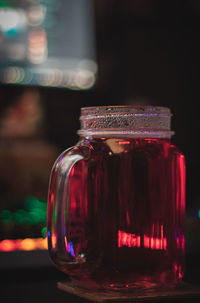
{"x":125,"y":217}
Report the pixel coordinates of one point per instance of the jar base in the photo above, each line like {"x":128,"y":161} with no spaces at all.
{"x":181,"y":290}
{"x":125,"y":282}
{"x":139,"y":287}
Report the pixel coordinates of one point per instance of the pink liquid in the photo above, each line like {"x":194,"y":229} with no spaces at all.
{"x":125,"y":218}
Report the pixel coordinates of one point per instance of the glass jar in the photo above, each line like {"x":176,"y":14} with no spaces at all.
{"x":116,"y":201}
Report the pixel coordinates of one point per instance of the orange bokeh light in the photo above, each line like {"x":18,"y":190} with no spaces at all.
{"x":23,"y":244}
{"x":7,"y":245}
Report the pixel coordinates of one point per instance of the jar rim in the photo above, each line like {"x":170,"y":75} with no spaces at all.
{"x":125,"y":109}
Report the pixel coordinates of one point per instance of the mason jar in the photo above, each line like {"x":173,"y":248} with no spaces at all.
{"x":116,"y":201}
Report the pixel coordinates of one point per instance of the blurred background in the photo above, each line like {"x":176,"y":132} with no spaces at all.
{"x":57,"y":56}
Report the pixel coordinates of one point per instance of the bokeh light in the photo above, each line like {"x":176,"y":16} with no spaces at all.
{"x":34,"y":213}
{"x":23,"y":244}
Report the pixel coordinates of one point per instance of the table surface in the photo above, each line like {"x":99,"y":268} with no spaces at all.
{"x":36,"y":281}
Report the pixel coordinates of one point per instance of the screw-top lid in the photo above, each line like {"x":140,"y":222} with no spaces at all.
{"x":133,"y":121}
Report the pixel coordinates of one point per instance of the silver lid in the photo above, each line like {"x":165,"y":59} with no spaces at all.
{"x":133,"y":121}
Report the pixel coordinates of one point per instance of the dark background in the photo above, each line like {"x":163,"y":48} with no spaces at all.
{"x":148,"y":52}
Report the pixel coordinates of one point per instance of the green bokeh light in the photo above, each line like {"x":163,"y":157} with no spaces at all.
{"x":6,"y":216}
{"x":35,"y":212}
{"x":44,"y":232}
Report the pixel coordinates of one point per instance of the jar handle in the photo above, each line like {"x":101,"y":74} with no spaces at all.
{"x":58,"y":198}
